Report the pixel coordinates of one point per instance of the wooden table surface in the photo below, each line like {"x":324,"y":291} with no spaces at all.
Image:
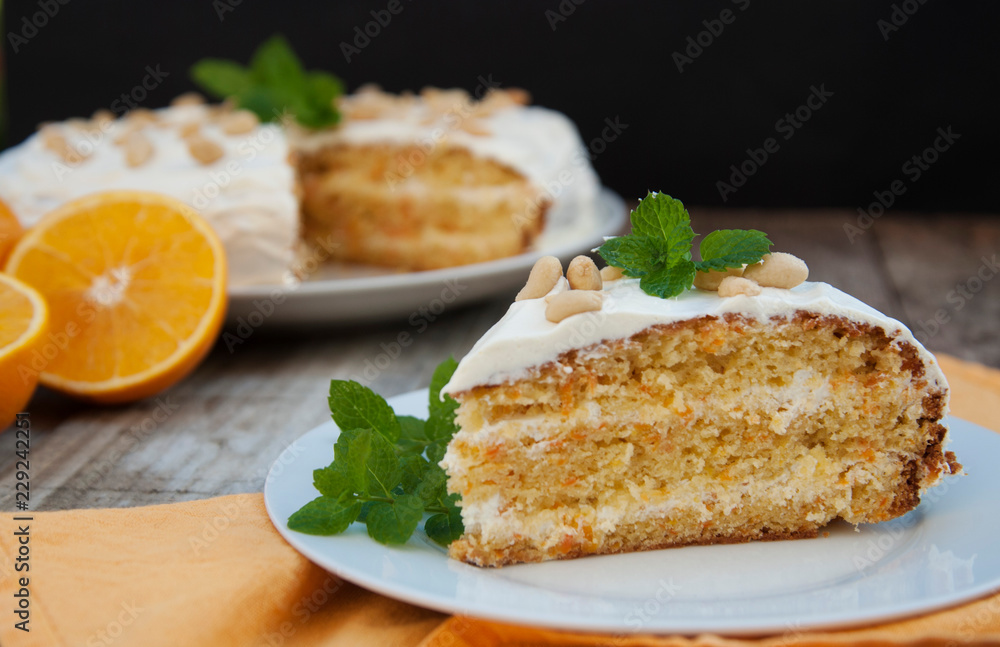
{"x":218,"y":431}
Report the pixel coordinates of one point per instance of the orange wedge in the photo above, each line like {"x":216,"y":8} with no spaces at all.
{"x":23,"y":319}
{"x":10,"y":231}
{"x":136,"y":288}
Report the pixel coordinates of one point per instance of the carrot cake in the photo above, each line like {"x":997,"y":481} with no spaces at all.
{"x":595,"y":418}
{"x":411,"y":182}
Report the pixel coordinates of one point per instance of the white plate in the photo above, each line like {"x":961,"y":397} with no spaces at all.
{"x":345,"y":294}
{"x":942,"y":553}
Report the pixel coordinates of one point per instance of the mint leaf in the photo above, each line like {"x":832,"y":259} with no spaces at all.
{"x":366,"y":507}
{"x":634,"y":254}
{"x":658,"y":215}
{"x":668,"y":280}
{"x":383,"y":467}
{"x":325,"y":516}
{"x":658,"y":251}
{"x":394,"y":523}
{"x":434,"y":486}
{"x":368,"y":462}
{"x":441,"y":426}
{"x":387,"y":486}
{"x":412,"y":437}
{"x":354,"y":406}
{"x":445,"y":528}
{"x":442,"y":375}
{"x":274,"y":83}
{"x":350,"y":454}
{"x":435,"y":453}
{"x":332,"y":481}
{"x":677,"y":243}
{"x":275,"y":64}
{"x":413,"y":468}
{"x":727,"y":248}
{"x":324,"y":88}
{"x":221,"y":78}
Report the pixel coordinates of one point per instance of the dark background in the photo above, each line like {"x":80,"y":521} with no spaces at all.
{"x":605,"y":60}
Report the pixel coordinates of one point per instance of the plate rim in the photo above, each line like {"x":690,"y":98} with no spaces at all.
{"x":615,"y":217}
{"x":720,"y":626}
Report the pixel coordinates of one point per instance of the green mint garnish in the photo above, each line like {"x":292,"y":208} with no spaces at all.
{"x":274,"y":83}
{"x":658,"y":251}
{"x":728,"y":248}
{"x":385,"y":470}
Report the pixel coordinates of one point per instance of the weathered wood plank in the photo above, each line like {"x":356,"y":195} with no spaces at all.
{"x":219,"y":431}
{"x":945,"y":269}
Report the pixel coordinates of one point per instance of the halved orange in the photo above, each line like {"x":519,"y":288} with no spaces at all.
{"x":23,"y":319}
{"x":136,"y":287}
{"x":10,"y":230}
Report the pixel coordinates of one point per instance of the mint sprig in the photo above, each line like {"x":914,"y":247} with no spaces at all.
{"x":658,"y":251}
{"x":385,"y":470}
{"x":274,"y":83}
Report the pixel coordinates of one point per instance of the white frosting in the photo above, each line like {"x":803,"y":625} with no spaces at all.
{"x":541,"y":144}
{"x":524,"y":338}
{"x":248,"y":195}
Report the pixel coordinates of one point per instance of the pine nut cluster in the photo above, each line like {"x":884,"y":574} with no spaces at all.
{"x":370,"y":102}
{"x":133,"y":140}
{"x":777,"y":270}
{"x":585,"y":285}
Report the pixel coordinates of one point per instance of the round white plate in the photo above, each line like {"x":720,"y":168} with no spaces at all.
{"x":345,"y":294}
{"x":942,"y":553}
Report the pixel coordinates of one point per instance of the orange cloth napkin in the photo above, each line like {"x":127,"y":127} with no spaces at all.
{"x":216,"y":573}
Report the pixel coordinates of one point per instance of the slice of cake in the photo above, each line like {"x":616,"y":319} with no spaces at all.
{"x":439,"y":179}
{"x":596,"y":418}
{"x":222,"y":162}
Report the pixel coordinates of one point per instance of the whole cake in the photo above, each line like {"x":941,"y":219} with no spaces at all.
{"x":597,"y":418}
{"x":410,"y":182}
{"x":440,"y":178}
